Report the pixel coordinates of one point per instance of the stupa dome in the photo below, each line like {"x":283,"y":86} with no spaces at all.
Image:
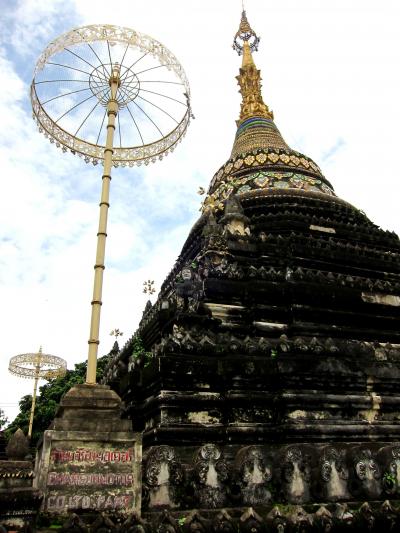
{"x":261,"y":162}
{"x":273,"y":347}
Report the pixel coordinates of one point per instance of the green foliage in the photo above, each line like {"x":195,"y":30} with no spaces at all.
{"x":50,"y":521}
{"x":389,"y":478}
{"x":139,"y":351}
{"x":48,"y":399}
{"x":3,"y":418}
{"x":274,"y":353}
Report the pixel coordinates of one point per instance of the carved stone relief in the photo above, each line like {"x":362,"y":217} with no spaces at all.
{"x":234,"y":221}
{"x":195,"y":523}
{"x":300,"y":520}
{"x":224,"y":523}
{"x":296,"y":475}
{"x":334,"y":474}
{"x":162,"y":475}
{"x":338,"y":518}
{"x":276,"y":520}
{"x":210,"y":477}
{"x":368,"y":473}
{"x":389,"y":458}
{"x":323,"y":519}
{"x":252,"y":476}
{"x":259,"y":475}
{"x":251,"y":522}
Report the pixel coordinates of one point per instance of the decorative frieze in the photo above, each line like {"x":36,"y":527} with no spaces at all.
{"x":260,"y":475}
{"x":276,"y":519}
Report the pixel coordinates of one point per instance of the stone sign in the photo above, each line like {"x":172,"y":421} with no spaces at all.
{"x":90,"y":459}
{"x":90,"y":477}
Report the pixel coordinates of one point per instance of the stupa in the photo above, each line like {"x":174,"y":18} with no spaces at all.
{"x":270,"y":367}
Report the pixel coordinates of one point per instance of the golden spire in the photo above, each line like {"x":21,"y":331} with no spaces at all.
{"x":255,"y":127}
{"x":249,"y":78}
{"x":261,"y":162}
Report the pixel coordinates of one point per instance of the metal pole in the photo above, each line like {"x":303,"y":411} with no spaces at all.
{"x":37,"y":370}
{"x":112,"y":110}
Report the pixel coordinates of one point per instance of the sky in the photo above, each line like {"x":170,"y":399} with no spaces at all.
{"x":330,"y":71}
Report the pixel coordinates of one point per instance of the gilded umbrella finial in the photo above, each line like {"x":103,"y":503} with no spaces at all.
{"x":249,"y":79}
{"x":245,"y":34}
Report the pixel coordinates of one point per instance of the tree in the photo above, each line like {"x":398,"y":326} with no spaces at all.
{"x":3,"y":418}
{"x":48,"y":399}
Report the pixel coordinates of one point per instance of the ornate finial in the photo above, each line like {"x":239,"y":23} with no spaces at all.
{"x":249,"y":78}
{"x":256,"y":128}
{"x":148,"y":287}
{"x":116,"y":333}
{"x":245,"y":34}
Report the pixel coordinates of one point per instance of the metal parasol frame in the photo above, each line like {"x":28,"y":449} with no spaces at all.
{"x":91,"y":79}
{"x":36,"y":366}
{"x":101,"y":72}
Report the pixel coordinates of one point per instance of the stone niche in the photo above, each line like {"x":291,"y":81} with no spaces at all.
{"x":89,"y":458}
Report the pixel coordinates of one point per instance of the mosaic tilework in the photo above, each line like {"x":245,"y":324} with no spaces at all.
{"x":255,"y":133}
{"x":278,"y":159}
{"x":265,"y":179}
{"x":255,"y":122}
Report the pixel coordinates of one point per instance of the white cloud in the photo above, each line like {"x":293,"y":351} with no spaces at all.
{"x":28,"y":24}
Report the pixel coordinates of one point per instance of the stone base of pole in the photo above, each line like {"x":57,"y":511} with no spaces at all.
{"x":89,"y":458}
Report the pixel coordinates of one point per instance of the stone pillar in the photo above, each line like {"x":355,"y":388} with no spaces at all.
{"x":90,"y":458}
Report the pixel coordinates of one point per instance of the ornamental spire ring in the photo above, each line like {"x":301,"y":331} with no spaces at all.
{"x":245,"y":33}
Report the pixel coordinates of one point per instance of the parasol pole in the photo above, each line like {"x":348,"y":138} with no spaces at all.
{"x":112,"y":110}
{"x":114,"y":85}
{"x":37,"y":372}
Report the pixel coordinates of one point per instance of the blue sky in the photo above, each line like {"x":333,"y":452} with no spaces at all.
{"x":331,"y":74}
